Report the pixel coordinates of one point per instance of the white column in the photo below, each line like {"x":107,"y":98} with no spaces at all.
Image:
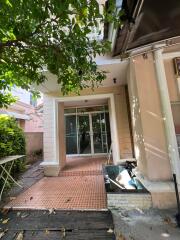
{"x":167,"y":114}
{"x":60,"y":135}
{"x":50,"y":163}
{"x":114,"y":131}
{"x":49,"y":118}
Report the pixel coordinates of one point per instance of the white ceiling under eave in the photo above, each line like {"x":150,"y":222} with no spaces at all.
{"x":114,"y":68}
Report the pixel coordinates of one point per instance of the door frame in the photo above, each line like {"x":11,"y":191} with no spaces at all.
{"x":112,"y":118}
{"x":91,"y":133}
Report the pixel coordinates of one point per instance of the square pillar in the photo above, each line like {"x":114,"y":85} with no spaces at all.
{"x":61,"y":135}
{"x":50,"y":162}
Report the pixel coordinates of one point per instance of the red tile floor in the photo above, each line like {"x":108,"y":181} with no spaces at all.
{"x":79,"y":186}
{"x":83,"y":166}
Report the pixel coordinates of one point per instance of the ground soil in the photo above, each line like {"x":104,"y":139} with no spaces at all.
{"x":33,"y":173}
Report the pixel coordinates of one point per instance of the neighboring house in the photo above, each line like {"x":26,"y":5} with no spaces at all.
{"x":136,"y":111}
{"x":29,"y":116}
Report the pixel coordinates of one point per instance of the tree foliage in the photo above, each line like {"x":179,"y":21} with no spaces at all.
{"x":51,"y":34}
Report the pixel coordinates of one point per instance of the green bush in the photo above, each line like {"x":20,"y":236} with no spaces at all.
{"x":12,"y":142}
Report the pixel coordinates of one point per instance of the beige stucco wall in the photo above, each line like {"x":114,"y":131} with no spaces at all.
{"x":125,"y":143}
{"x":171,"y":80}
{"x":173,"y":90}
{"x":139,"y":148}
{"x":164,"y":199}
{"x":150,"y":139}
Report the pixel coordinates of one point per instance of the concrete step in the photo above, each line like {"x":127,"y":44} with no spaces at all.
{"x":129,"y":200}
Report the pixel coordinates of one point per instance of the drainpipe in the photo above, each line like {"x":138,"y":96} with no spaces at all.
{"x":167,"y":114}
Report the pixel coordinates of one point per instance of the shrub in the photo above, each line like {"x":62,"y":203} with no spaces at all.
{"x":12,"y":142}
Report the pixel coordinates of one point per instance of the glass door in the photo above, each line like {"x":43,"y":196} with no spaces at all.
{"x":88,"y":132}
{"x":71,"y":134}
{"x":84,"y":138}
{"x":100,"y":144}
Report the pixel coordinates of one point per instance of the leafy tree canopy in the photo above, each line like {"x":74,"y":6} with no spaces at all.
{"x":54,"y":34}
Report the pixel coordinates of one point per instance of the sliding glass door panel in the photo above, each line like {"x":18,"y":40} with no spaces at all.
{"x":71,"y":134}
{"x":97,"y":133}
{"x":88,"y":132}
{"x":84,"y":140}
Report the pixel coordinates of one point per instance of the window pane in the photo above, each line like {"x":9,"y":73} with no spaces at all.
{"x":84,"y":136}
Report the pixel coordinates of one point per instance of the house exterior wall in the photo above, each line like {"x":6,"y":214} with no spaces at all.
{"x":35,"y":124}
{"x":148,"y":125}
{"x":125,"y":143}
{"x":33,"y":121}
{"x":149,"y":130}
{"x":139,"y":148}
{"x":150,"y":136}
{"x":50,"y":129}
{"x":174,"y":94}
{"x":34,"y":142}
{"x":171,"y":80}
{"x":24,"y":96}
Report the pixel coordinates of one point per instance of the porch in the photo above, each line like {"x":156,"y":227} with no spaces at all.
{"x":79,"y":186}
{"x":138,"y":122}
{"x":86,"y":125}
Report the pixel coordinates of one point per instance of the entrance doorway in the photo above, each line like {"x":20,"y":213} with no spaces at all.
{"x":87,"y":130}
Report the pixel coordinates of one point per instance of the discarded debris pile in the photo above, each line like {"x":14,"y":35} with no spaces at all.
{"x":120,"y":178}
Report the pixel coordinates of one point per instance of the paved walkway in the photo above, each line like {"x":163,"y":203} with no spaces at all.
{"x":79,"y":186}
{"x":83,"y":166}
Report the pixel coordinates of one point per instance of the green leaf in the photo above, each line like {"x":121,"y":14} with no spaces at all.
{"x":55,"y":34}
{"x":8,"y":3}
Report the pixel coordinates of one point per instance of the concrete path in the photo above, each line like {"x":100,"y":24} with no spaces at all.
{"x":152,"y":224}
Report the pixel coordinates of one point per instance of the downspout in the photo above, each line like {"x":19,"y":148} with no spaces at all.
{"x":167,"y":114}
